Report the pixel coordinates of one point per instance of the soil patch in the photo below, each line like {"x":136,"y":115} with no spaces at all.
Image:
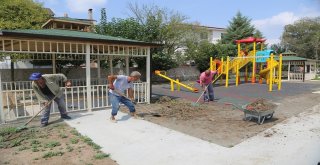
{"x":55,"y":144}
{"x":214,"y":122}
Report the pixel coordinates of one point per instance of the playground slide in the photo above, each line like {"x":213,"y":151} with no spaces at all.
{"x":157,"y":72}
{"x":263,"y":73}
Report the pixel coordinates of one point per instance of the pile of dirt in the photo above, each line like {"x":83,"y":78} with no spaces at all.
{"x":179,"y":108}
{"x":164,"y":99}
{"x":260,"y":105}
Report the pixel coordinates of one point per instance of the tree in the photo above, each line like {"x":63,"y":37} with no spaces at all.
{"x":240,"y":27}
{"x":278,"y":48}
{"x":151,"y":24}
{"x":102,"y":27}
{"x":22,"y":14}
{"x":303,"y":37}
{"x":162,"y":26}
{"x":203,"y":54}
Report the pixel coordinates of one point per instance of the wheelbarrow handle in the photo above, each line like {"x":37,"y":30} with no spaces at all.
{"x":226,"y":103}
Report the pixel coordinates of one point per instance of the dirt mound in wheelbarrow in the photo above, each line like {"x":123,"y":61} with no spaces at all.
{"x":261,"y":105}
{"x":180,"y":109}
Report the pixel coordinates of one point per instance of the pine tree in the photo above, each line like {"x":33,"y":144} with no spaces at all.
{"x":239,"y":28}
{"x":102,"y":27}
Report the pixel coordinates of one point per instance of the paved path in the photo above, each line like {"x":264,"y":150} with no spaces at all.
{"x":138,"y":142}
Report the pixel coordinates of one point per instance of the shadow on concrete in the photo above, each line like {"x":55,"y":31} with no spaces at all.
{"x":124,"y":118}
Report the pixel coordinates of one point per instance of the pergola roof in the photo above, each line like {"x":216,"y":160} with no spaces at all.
{"x":291,"y":58}
{"x":72,"y":35}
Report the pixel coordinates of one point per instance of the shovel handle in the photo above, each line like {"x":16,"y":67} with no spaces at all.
{"x":48,"y":103}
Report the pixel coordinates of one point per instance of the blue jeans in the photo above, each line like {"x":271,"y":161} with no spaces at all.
{"x":61,"y":106}
{"x":211,"y":93}
{"x":116,"y":100}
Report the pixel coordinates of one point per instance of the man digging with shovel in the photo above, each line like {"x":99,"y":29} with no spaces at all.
{"x":117,"y":86}
{"x":46,"y":89}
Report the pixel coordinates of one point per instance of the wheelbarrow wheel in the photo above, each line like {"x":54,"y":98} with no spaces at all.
{"x":268,"y":117}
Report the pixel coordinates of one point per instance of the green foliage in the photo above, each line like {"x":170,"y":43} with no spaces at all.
{"x":35,"y":142}
{"x":52,"y":144}
{"x":202,"y":56}
{"x":101,"y":156}
{"x":149,"y":24}
{"x":303,"y":37}
{"x":8,"y":130}
{"x":75,"y":132}
{"x":74,"y":140}
{"x":35,"y":149}
{"x":161,"y":61}
{"x":22,"y":14}
{"x":87,"y":140}
{"x":63,"y":135}
{"x":16,"y":142}
{"x":278,"y":48}
{"x":240,"y":27}
{"x":23,"y":148}
{"x":69,"y":149}
{"x":52,"y":154}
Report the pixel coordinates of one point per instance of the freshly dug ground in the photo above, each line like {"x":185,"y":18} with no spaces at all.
{"x":260,"y":105}
{"x":55,"y":144}
{"x":214,"y":122}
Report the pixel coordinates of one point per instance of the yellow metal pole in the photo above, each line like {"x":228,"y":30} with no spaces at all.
{"x":253,"y":80}
{"x":271,"y":74}
{"x":237,"y":74}
{"x":172,"y":87}
{"x":280,"y":71}
{"x":227,"y":72}
{"x":239,"y":49}
{"x":211,"y":64}
{"x":178,"y":85}
{"x":221,"y":70}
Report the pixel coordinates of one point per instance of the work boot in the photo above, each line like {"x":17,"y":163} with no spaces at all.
{"x":65,"y":116}
{"x":43,"y":124}
{"x":113,"y":119}
{"x":135,"y":116}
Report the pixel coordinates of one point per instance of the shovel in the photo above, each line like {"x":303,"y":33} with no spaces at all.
{"x":24,"y":126}
{"x":121,"y":94}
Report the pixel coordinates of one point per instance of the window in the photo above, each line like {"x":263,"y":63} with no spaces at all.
{"x":204,"y":36}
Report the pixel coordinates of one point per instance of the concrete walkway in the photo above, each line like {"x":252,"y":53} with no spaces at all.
{"x":138,"y":142}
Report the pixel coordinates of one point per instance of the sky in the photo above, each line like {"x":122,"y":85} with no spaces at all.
{"x":269,"y":16}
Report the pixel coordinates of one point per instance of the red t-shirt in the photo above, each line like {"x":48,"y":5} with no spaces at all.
{"x":204,"y":79}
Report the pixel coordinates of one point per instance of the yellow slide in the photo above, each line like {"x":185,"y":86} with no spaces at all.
{"x":263,"y":73}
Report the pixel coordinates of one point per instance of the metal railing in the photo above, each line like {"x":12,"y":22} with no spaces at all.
{"x":23,"y":103}
{"x":21,"y":85}
{"x":296,"y":76}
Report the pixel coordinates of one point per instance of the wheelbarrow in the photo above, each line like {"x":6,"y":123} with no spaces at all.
{"x":249,"y":114}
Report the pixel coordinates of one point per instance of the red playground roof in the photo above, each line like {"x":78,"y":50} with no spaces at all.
{"x":251,"y":40}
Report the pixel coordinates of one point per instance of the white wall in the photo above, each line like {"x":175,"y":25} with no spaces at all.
{"x":215,"y":36}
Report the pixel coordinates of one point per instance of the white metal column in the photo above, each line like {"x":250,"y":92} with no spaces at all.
{"x":127,"y":66}
{"x":289,"y":71}
{"x":148,"y":76}
{"x":99,"y":70}
{"x":54,"y":63}
{"x":111,"y":65}
{"x":2,"y":120}
{"x":88,"y":78}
